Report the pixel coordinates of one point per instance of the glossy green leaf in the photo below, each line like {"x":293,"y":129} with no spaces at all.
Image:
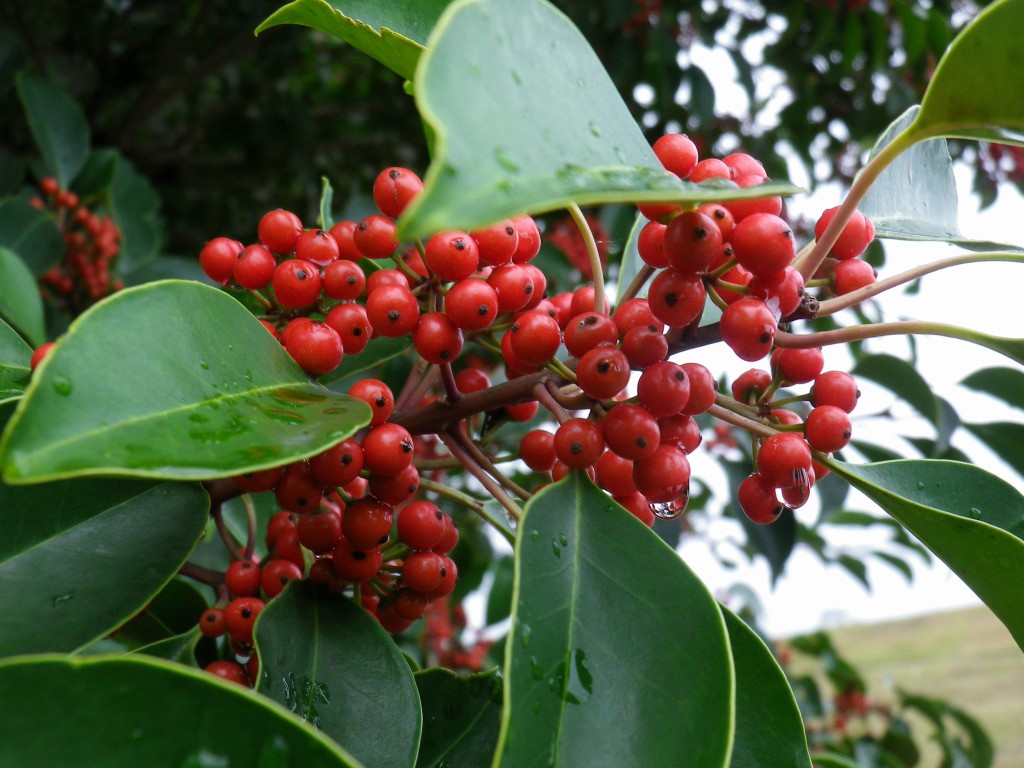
{"x":769,"y":730}
{"x":325,"y":219}
{"x":970,"y":519}
{"x":1007,"y":384}
{"x":135,"y":207}
{"x":377,"y":352}
{"x":461,"y":718}
{"x":30,"y":232}
{"x":499,"y":599}
{"x":174,"y":611}
{"x":618,"y":655}
{"x":20,"y":303}
{"x":631,"y":263}
{"x":170,"y":380}
{"x":330,"y":662}
{"x":566,"y":135}
{"x":392,"y":32}
{"x":79,"y":558}
{"x":95,"y":712}
{"x":58,"y":126}
{"x":1005,"y":438}
{"x":903,"y":380}
{"x":975,"y":91}
{"x":915,"y":197}
{"x":898,"y":563}
{"x":15,"y":355}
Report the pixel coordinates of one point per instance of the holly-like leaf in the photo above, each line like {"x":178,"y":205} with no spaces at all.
{"x":971,"y":519}
{"x":325,"y":219}
{"x":20,"y":303}
{"x":79,"y":558}
{"x":98,"y":711}
{"x":915,"y":197}
{"x":15,"y":355}
{"x":461,"y":718}
{"x":769,"y":729}
{"x":135,"y":208}
{"x":1006,"y":384}
{"x":391,"y":31}
{"x":58,"y":126}
{"x":1005,"y":438}
{"x":974,"y":93}
{"x":566,"y":134}
{"x":327,"y":660}
{"x":171,"y":380}
{"x":598,"y":599}
{"x":903,"y":380}
{"x":31,"y":233}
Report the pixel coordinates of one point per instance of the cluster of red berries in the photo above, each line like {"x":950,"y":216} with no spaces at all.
{"x":92,"y":242}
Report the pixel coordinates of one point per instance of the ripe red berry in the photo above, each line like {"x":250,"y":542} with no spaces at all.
{"x":452,"y":255}
{"x":242,"y":578}
{"x":578,"y":443}
{"x":338,"y":465}
{"x":228,"y":670}
{"x":828,"y":428}
{"x":664,"y":476}
{"x":783,"y":459}
{"x":537,"y":450}
{"x":631,"y":432}
{"x":212,"y":623}
{"x":240,"y":616}
{"x":254,"y":267}
{"x":355,"y":565}
{"x":39,"y":355}
{"x":352,"y":325}
{"x":663,"y":389}
{"x":297,"y":283}
{"x":218,"y":258}
{"x":344,"y":280}
{"x":343,"y":233}
{"x":748,"y":326}
{"x":785,"y":289}
{"x":318,"y":532}
{"x":681,"y":430}
{"x":392,"y":310}
{"x":471,"y":380}
{"x":615,"y":474}
{"x":750,"y":385}
{"x":376,"y":237}
{"x":279,"y":230}
{"x":650,"y":245}
{"x":836,"y":388}
{"x":435,"y":338}
{"x":588,"y":330}
{"x":703,"y":389}
{"x":317,"y":246}
{"x":421,"y":525}
{"x":395,"y":489}
{"x":603,"y":372}
{"x":535,"y":337}
{"x":316,"y":347}
{"x":710,"y":168}
{"x":366,"y":523}
{"x":471,"y":304}
{"x":423,"y":571}
{"x":513,"y":285}
{"x":528,"y":244}
{"x":297,"y":491}
{"x":377,"y":395}
{"x":276,"y":576}
{"x":497,"y":243}
{"x":757,"y":500}
{"x":677,"y":153}
{"x":645,"y":345}
{"x":677,"y":297}
{"x":763,"y":243}
{"x":851,"y":275}
{"x":394,"y":189}
{"x":799,"y":366}
{"x":857,"y":234}
{"x":387,"y":449}
{"x":692,"y":242}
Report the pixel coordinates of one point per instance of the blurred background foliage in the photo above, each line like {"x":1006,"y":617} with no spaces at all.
{"x":226,"y":125}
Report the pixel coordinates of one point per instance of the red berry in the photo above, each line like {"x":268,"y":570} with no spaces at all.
{"x":665,"y":476}
{"x":276,"y":576}
{"x":663,"y":389}
{"x":218,"y":258}
{"x":763,"y":243}
{"x":645,"y":345}
{"x":857,"y":234}
{"x":435,"y":338}
{"x":631,"y":432}
{"x":318,"y":532}
{"x":392,"y":310}
{"x":39,"y":355}
{"x":317,"y":246}
{"x":297,"y":283}
{"x":650,"y":245}
{"x":355,"y":565}
{"x":316,"y":347}
{"x":692,"y":242}
{"x":352,"y":325}
{"x":537,"y":450}
{"x":851,"y":275}
{"x":421,"y":525}
{"x":578,"y":443}
{"x":677,"y":153}
{"x":782,"y":459}
{"x":603,"y":372}
{"x":255,"y":267}
{"x":680,"y":430}
{"x":535,"y":337}
{"x":376,"y":237}
{"x":452,"y":255}
{"x":757,"y":500}
{"x":394,"y":189}
{"x":615,"y":474}
{"x":710,"y":168}
{"x":242,"y":578}
{"x":750,"y":385}
{"x":513,"y":285}
{"x":343,"y":233}
{"x":279,"y":230}
{"x":228,"y":670}
{"x":395,"y":489}
{"x":586,"y":331}
{"x":471,"y":304}
{"x":528,"y":245}
{"x":377,"y":395}
{"x":828,"y":428}
{"x":799,"y":366}
{"x":677,"y":297}
{"x":497,"y":243}
{"x":297,"y":491}
{"x":366,"y":523}
{"x":240,"y":616}
{"x":703,"y":389}
{"x":344,"y":280}
{"x":748,"y":326}
{"x":212,"y":623}
{"x":387,"y":450}
{"x":423,"y":571}
{"x":836,"y":388}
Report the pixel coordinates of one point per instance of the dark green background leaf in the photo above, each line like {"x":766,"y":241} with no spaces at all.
{"x":972,"y":520}
{"x":31,"y":233}
{"x":1007,"y":384}
{"x":78,"y":558}
{"x":96,"y":712}
{"x":461,"y":718}
{"x":58,"y":126}
{"x":14,"y":363}
{"x":171,"y":380}
{"x":769,"y":730}
{"x":20,"y":303}
{"x":612,"y":634}
{"x":1005,"y":438}
{"x":903,"y":380}
{"x":330,"y":662}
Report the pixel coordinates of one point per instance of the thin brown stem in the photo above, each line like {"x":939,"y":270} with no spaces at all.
{"x":488,"y":466}
{"x":547,"y":398}
{"x":489,"y":483}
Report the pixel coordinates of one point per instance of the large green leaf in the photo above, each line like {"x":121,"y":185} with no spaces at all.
{"x":20,"y":303}
{"x":134,"y":205}
{"x":14,"y":363}
{"x":915,"y":197}
{"x":391,"y":31}
{"x":903,"y":380}
{"x":618,"y":655}
{"x":31,"y":233}
{"x":566,"y":134}
{"x":461,"y":718}
{"x":81,"y":557}
{"x":171,"y":380}
{"x":95,"y":712}
{"x":58,"y":126}
{"x":1007,"y":384}
{"x":975,"y":91}
{"x":972,"y":520}
{"x":330,"y":662}
{"x":769,"y":730}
